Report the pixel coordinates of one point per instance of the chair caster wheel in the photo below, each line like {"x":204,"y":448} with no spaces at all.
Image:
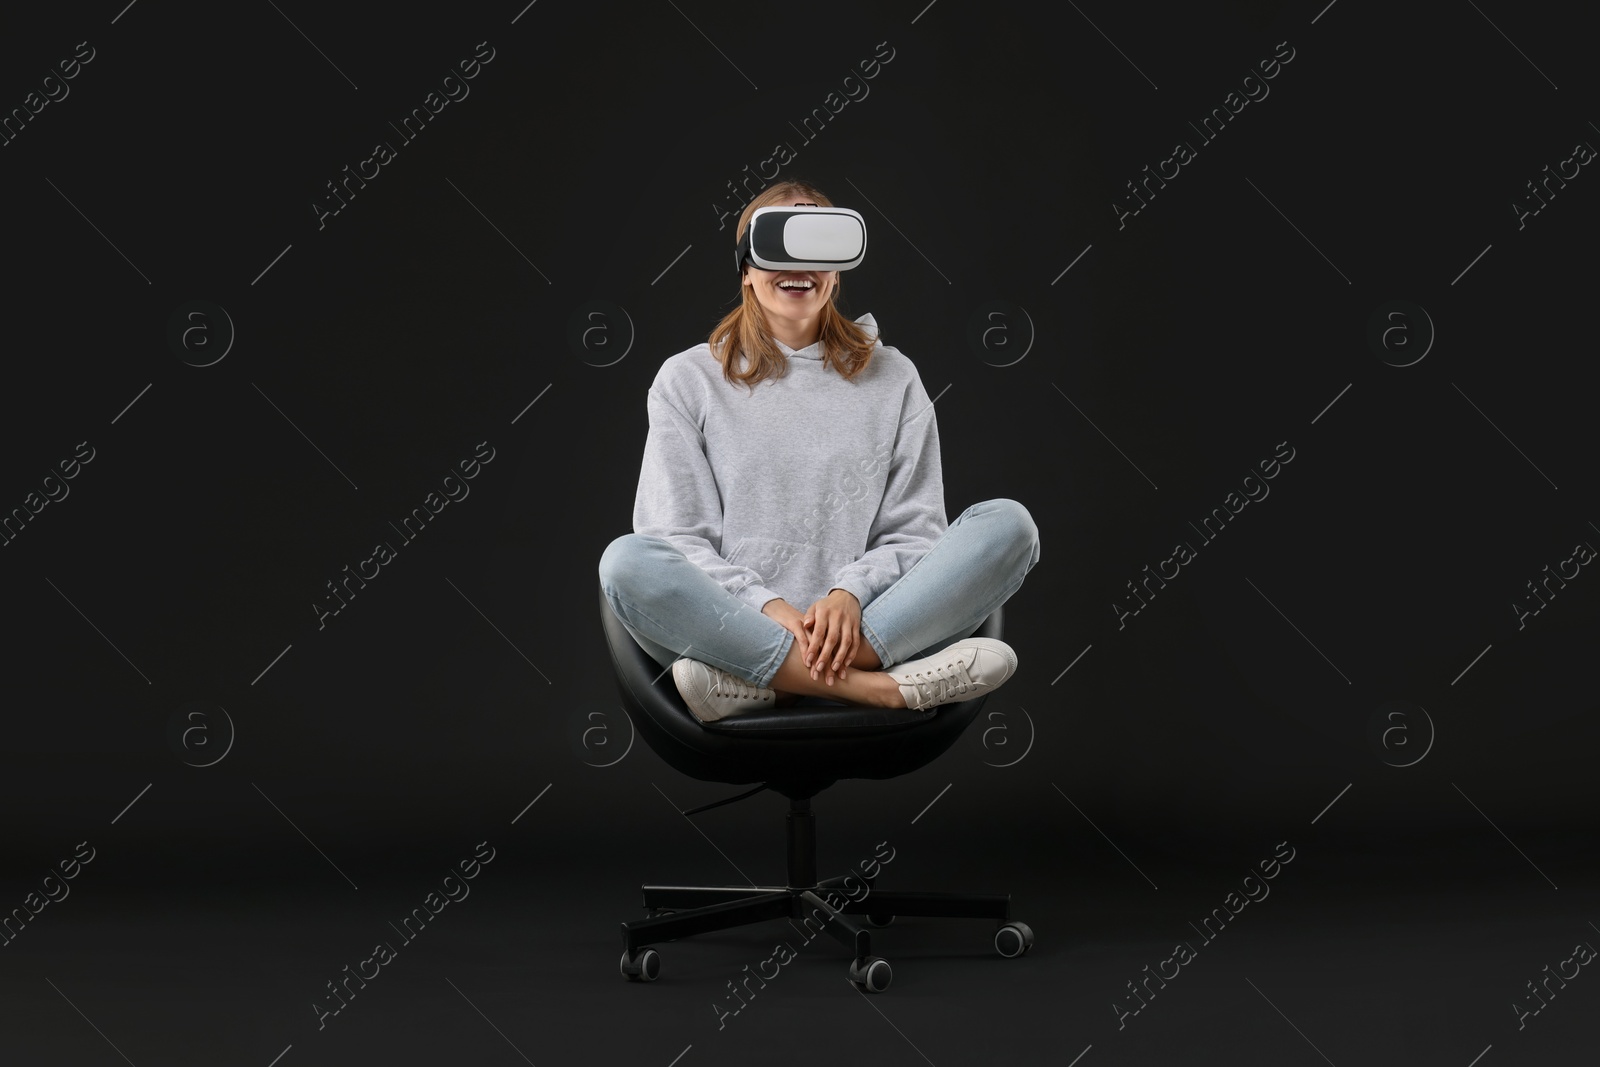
{"x":641,"y":966}
{"x":871,"y":974}
{"x":879,"y":920}
{"x":1013,"y":939}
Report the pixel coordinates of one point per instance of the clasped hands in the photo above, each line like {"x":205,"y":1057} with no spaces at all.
{"x":828,"y":633}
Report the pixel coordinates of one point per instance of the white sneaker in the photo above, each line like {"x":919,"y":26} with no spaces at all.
{"x":960,"y":672}
{"x":712,"y":693}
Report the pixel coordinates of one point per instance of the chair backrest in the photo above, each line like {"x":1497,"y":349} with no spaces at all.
{"x":792,"y":749}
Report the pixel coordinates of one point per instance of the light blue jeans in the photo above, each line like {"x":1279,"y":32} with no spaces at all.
{"x":675,"y":609}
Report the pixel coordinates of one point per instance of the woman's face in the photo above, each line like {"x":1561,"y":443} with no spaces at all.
{"x":796,"y":296}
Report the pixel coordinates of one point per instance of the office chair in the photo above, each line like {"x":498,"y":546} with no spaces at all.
{"x":796,"y":752}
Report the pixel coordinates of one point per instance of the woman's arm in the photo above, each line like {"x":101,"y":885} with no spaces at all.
{"x":678,"y":499}
{"x":911,"y":516}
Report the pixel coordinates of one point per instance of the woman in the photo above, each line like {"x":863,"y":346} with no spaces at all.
{"x":789,"y":527}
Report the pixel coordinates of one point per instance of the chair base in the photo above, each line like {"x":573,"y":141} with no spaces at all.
{"x":703,"y":909}
{"x":824,"y":906}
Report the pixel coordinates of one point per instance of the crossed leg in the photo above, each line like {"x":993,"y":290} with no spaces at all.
{"x":864,"y":683}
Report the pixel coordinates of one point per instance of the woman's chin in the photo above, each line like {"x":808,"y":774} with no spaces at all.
{"x":793,"y":310}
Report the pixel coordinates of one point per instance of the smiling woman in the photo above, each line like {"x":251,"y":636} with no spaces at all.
{"x":795,"y":307}
{"x":796,"y":508}
{"x":790,"y":538}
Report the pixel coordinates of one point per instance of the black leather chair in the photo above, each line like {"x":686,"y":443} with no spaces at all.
{"x":796,"y":752}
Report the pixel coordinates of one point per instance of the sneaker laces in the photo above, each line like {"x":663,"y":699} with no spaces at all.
{"x":938,"y":685}
{"x":730,"y":685}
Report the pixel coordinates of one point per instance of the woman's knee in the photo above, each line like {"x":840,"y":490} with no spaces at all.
{"x":1017,"y":520}
{"x":624,"y":563}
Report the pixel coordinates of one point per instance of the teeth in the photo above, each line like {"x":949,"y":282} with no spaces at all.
{"x":794,"y":285}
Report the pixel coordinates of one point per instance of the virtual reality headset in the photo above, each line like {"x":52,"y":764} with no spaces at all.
{"x":803,"y":238}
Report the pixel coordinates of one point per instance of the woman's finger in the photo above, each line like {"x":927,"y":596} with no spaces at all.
{"x":847,"y":651}
{"x":829,"y":646}
{"x":804,"y":633}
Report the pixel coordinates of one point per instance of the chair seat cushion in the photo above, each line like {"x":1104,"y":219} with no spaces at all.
{"x":812,"y":714}
{"x":797,"y":750}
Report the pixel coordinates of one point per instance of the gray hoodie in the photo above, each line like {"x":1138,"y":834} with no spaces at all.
{"x":810,"y":483}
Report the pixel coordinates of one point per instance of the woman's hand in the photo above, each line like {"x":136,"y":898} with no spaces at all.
{"x":789,"y":617}
{"x":834,"y":623}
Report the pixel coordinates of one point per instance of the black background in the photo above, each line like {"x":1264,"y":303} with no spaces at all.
{"x":590,"y":162}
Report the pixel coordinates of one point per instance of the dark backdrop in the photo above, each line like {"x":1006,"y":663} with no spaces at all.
{"x":1341,"y":273}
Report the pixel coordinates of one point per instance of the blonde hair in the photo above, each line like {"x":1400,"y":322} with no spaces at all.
{"x":846,"y":346}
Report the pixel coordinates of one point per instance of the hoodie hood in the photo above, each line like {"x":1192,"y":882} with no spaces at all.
{"x":814,"y":350}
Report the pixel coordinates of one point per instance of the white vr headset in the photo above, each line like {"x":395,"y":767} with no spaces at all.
{"x":803,"y":238}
